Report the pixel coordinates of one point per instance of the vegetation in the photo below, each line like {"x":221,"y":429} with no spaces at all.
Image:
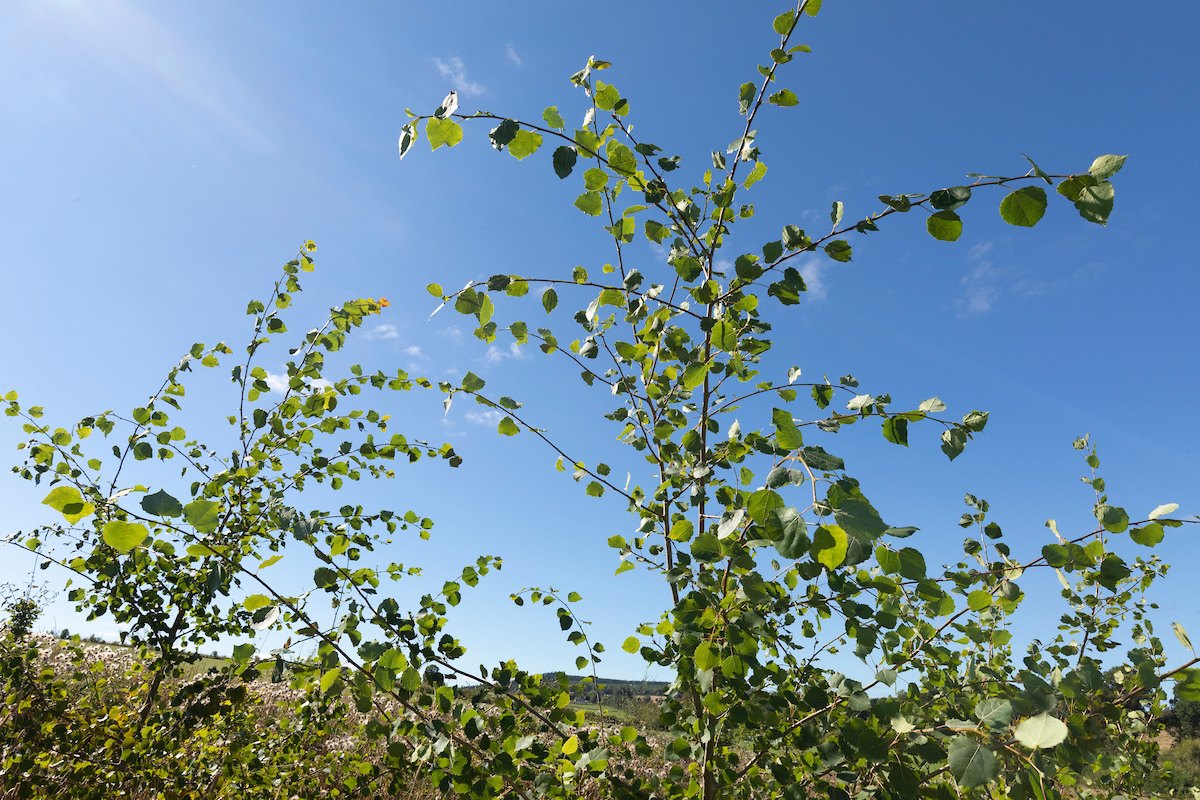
{"x":769,"y":551}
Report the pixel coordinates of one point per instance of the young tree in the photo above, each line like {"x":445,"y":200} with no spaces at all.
{"x":766,"y":545}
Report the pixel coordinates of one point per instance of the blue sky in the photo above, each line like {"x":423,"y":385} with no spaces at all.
{"x":161,"y":161}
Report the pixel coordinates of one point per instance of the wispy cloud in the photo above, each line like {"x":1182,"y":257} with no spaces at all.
{"x":813,"y":272}
{"x":175,"y":79}
{"x":512,"y":55}
{"x":981,"y":290}
{"x":489,"y":417}
{"x":384,"y":331}
{"x":495,"y":355}
{"x":415,"y":351}
{"x":455,"y":72}
{"x":987,"y":283}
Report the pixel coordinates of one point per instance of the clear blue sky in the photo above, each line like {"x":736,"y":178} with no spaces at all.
{"x":161,"y":160}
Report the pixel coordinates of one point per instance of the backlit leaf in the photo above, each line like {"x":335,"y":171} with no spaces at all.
{"x":1041,"y":732}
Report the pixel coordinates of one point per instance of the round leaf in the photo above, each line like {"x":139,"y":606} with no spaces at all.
{"x":945,"y":226}
{"x":124,"y":536}
{"x":971,"y":763}
{"x":68,"y":501}
{"x":1024,"y":207}
{"x":161,"y":504}
{"x":1041,"y":732}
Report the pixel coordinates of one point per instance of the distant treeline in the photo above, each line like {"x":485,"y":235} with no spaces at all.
{"x":584,"y":688}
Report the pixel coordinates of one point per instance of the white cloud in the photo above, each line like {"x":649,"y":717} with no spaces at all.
{"x":454,"y":71}
{"x":495,"y":354}
{"x":489,"y":417}
{"x":512,"y":55}
{"x":414,"y":351}
{"x":384,"y":331}
{"x":280,"y":382}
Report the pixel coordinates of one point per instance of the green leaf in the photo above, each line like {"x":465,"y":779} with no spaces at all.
{"x":631,"y":645}
{"x":746,"y":95}
{"x":1040,"y":732}
{"x":408,"y":136}
{"x":443,"y":132}
{"x":994,"y":713}
{"x":549,"y":300}
{"x":124,"y":536}
{"x":508,"y":427}
{"x":1104,"y":167}
{"x":837,"y":212}
{"x":1148,"y":535}
{"x":68,"y":501}
{"x":1181,"y":635}
{"x":725,"y":336}
{"x":971,"y":763}
{"x":203,"y":515}
{"x":859,"y":518}
{"x":1095,"y":203}
{"x":783,"y":23}
{"x":161,"y":504}
{"x":706,"y":656}
{"x":819,"y":460}
{"x":694,"y":374}
{"x":564,"y":160}
{"x":1112,"y":518}
{"x":706,"y":548}
{"x":681,"y":530}
{"x":410,"y":680}
{"x":786,"y":432}
{"x":839,"y":250}
{"x":257,"y":601}
{"x":595,"y":179}
{"x":620,"y":158}
{"x":1187,"y":685}
{"x":945,"y":226}
{"x":590,"y":203}
{"x":758,"y":506}
{"x":979,"y":600}
{"x":954,"y":441}
{"x":951,"y":198}
{"x":895,"y":430}
{"x":784,"y":98}
{"x":784,"y":476}
{"x":756,"y":174}
{"x":1024,"y":207}
{"x":553,"y":118}
{"x":524,"y":144}
{"x":788,"y":531}
{"x":435,"y":289}
{"x":606,"y":96}
{"x":472,"y":382}
{"x":204,"y":550}
{"x":912,"y":564}
{"x":829,"y":546}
